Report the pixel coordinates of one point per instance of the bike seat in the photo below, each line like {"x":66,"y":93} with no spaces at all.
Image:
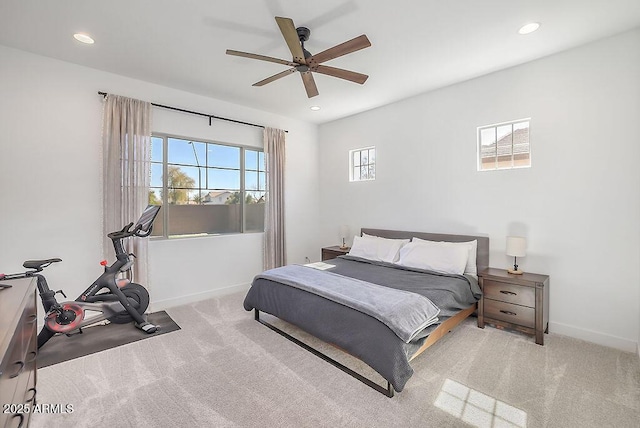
{"x":39,"y":264}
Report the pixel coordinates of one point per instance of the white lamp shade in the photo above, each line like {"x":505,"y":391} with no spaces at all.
{"x":344,"y":231}
{"x":516,"y":246}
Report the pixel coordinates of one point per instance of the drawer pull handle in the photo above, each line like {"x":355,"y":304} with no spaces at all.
{"x":508,"y":312}
{"x":31,"y":357}
{"x":33,"y":396}
{"x":508,"y":292}
{"x":17,"y":373}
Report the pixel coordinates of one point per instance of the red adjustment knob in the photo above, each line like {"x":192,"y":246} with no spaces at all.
{"x":103,"y":263}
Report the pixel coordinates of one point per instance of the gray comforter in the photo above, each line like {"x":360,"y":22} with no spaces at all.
{"x":356,"y":332}
{"x":404,"y":312}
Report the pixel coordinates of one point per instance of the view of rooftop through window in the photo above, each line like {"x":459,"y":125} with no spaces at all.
{"x":504,"y":146}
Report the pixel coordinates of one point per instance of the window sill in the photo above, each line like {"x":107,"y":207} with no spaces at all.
{"x":200,"y":236}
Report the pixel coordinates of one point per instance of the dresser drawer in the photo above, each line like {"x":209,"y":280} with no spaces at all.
{"x":519,"y":295}
{"x":28,"y":321}
{"x":516,"y":314}
{"x":11,"y":366}
{"x":24,"y":375}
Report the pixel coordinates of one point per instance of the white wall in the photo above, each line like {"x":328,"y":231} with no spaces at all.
{"x":51,"y":172}
{"x":578,"y":205}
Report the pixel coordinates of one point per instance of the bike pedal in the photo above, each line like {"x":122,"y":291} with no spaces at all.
{"x":73,"y":334}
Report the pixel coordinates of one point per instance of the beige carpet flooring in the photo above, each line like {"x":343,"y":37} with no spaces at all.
{"x":223,"y":369}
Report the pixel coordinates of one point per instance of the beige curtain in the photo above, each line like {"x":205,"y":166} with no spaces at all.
{"x":274,"y":233}
{"x":126,"y":140}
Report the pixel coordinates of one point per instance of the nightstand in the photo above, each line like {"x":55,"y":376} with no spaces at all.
{"x":333,"y":252}
{"x":518,"y":302}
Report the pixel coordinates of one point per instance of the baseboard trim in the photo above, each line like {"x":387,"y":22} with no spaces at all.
{"x":595,"y":337}
{"x":159,"y":305}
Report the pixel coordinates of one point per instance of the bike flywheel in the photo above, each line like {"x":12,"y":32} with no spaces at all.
{"x":138,"y":296}
{"x":68,"y":319}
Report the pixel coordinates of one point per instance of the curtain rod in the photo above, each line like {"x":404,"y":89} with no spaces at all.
{"x":210,"y":116}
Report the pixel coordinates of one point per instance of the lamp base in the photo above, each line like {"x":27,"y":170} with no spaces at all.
{"x":344,"y":247}
{"x":515,"y":272}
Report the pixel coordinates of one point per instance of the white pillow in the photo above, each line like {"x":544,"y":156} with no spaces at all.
{"x":376,"y":248}
{"x":434,"y":256}
{"x":471,"y":267}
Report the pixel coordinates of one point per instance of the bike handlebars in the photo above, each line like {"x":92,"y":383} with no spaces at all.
{"x":143,"y":226}
{"x":123,"y":233}
{"x":126,"y":232}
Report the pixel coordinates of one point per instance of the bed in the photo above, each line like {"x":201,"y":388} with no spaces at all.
{"x":361,"y":332}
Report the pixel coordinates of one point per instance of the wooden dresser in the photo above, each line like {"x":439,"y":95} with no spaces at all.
{"x":18,"y":350}
{"x":518,"y":302}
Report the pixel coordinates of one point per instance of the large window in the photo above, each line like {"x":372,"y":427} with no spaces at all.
{"x":362,"y":164}
{"x":504,"y":146}
{"x":206,"y":187}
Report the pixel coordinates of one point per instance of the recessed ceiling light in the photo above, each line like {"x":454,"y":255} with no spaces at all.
{"x":83,"y":38}
{"x":315,"y":108}
{"x":529,"y":28}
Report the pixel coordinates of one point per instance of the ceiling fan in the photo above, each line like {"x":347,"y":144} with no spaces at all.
{"x":305,"y":63}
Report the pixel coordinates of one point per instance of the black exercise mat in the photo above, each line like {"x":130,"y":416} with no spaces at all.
{"x":99,"y":338}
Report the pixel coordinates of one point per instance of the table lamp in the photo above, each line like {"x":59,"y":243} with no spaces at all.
{"x":516,"y":246}
{"x":344,"y":233}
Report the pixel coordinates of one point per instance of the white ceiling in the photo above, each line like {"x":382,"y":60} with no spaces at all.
{"x":417,"y":45}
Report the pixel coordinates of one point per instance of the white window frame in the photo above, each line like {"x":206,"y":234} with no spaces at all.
{"x":352,"y":166}
{"x":495,"y":127}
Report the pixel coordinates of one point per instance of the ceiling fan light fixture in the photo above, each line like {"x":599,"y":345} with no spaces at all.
{"x":315,"y":108}
{"x":529,"y":28}
{"x":83,"y":38}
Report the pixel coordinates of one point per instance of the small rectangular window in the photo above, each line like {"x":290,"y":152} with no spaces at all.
{"x":504,"y":146}
{"x":362,"y":164}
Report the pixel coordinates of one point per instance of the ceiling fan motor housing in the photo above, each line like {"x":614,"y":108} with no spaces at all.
{"x":303,"y":33}
{"x":303,"y":36}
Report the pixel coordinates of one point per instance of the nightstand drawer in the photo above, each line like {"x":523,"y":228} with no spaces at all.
{"x":516,"y":314}
{"x":519,"y":295}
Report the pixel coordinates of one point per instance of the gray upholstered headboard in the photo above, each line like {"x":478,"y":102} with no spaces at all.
{"x":482,"y":258}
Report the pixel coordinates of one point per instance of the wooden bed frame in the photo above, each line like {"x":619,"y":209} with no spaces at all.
{"x":482,"y":262}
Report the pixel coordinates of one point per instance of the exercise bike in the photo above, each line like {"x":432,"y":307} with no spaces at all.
{"x":122,"y":302}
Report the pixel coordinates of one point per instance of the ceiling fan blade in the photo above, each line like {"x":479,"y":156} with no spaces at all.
{"x":288,"y":30}
{"x":352,"y":76}
{"x":260,"y":57}
{"x":274,"y":77}
{"x":309,"y":84}
{"x":347,"y":47}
